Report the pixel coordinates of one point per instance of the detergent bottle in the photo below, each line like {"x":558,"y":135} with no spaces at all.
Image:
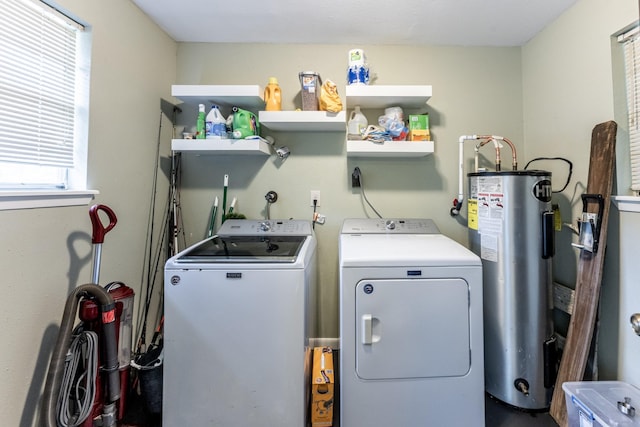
{"x":245,"y":123}
{"x":272,"y":95}
{"x":200,"y":123}
{"x":357,"y":124}
{"x":216,"y":126}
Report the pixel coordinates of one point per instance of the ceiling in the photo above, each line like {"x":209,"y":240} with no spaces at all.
{"x":355,"y":22}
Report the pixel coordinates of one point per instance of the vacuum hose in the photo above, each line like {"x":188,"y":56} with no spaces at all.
{"x":110,"y":353}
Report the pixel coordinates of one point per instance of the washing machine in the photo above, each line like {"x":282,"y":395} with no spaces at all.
{"x":411,"y":341}
{"x":239,"y":311}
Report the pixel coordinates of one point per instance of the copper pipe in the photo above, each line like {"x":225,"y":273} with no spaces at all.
{"x":514,"y":159}
{"x":487,"y":139}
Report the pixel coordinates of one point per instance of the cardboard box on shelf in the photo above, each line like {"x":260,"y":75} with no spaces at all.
{"x":419,"y":135}
{"x":322,"y":387}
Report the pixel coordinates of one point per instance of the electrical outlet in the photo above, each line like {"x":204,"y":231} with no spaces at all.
{"x":355,"y":178}
{"x":315,"y":195}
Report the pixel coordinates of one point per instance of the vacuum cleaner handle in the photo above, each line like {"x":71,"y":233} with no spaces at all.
{"x":99,"y":230}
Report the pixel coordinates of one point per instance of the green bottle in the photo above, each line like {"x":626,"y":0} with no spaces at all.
{"x":200,"y":123}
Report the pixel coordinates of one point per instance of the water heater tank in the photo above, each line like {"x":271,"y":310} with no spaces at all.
{"x":510,"y":222}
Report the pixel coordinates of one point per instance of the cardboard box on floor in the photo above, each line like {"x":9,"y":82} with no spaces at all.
{"x":322,"y":384}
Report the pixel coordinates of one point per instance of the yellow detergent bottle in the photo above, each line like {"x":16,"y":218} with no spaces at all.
{"x":272,"y":95}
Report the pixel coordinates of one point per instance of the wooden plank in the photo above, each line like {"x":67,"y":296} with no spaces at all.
{"x":590,"y":268}
{"x":563,"y":298}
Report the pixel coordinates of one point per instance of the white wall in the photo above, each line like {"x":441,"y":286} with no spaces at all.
{"x":47,"y":252}
{"x":469,"y":96}
{"x":568,"y":88}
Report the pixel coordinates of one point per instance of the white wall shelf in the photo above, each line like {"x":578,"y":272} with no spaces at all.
{"x":250,"y":97}
{"x":381,"y":96}
{"x":242,"y":96}
{"x":357,"y":148}
{"x":303,"y":121}
{"x":221,"y":146}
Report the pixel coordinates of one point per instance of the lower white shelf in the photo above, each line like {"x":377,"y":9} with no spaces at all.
{"x":357,"y":148}
{"x":221,"y":146}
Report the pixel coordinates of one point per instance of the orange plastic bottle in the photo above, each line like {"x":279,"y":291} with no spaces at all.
{"x":272,"y":95}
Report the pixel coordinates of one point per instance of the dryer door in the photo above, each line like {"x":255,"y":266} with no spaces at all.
{"x":412,"y":328}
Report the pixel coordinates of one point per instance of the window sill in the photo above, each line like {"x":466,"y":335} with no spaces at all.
{"x":44,"y":199}
{"x":627,"y":203}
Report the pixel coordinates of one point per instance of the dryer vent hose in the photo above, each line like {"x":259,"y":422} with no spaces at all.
{"x":110,"y":350}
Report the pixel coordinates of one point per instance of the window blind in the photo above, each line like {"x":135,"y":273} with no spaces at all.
{"x":37,"y":85}
{"x":631,"y":42}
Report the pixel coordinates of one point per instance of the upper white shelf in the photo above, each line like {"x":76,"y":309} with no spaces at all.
{"x":303,"y":121}
{"x":244,"y":96}
{"x":380,"y":96}
{"x":221,"y":146}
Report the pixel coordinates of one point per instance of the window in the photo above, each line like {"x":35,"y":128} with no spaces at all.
{"x":44,"y":98}
{"x":631,"y":44}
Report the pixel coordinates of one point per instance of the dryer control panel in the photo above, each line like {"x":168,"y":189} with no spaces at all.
{"x":389,"y":226}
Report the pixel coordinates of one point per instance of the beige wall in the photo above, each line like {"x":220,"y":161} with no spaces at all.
{"x":47,"y":252}
{"x":475,"y":90}
{"x":549,"y":93}
{"x":568,"y":86}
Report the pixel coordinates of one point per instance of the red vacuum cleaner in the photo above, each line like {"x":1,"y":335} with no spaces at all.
{"x":106,"y":316}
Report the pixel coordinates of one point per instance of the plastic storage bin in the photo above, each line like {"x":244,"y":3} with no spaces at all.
{"x":602,"y":403}
{"x":311,"y":83}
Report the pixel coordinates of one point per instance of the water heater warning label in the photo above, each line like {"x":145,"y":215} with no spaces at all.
{"x":490,"y":211}
{"x":496,"y":203}
{"x":489,"y":247}
{"x":472,"y":208}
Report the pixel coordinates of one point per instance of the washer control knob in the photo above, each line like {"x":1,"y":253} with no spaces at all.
{"x":265,"y":226}
{"x":391,"y":225}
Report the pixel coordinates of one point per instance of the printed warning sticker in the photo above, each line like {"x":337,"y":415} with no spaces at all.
{"x":490,"y":215}
{"x":489,"y":247}
{"x":496,"y":205}
{"x":483,"y":205}
{"x":472,"y":209}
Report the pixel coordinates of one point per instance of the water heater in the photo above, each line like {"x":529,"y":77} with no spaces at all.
{"x":511,"y":228}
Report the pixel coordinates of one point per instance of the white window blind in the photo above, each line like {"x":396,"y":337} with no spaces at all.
{"x":38,"y":54}
{"x":631,"y":42}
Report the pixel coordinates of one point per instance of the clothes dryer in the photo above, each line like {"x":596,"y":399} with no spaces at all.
{"x":411,"y":343}
{"x":239,"y":312}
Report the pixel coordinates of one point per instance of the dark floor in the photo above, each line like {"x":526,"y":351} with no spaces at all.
{"x":497,"y":414}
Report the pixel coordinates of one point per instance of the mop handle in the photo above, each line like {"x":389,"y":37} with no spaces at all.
{"x":99,"y":230}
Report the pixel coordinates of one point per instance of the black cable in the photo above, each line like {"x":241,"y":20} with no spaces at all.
{"x":313,"y":222}
{"x":364,"y":196}
{"x":555,"y":158}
